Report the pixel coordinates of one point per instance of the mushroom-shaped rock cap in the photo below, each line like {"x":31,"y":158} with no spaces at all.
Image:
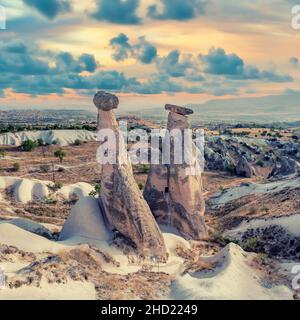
{"x":179,"y":110}
{"x":106,"y":101}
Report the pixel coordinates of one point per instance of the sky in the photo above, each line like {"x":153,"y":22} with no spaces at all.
{"x":58,"y":53}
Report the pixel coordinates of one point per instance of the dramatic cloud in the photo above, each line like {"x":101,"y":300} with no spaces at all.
{"x":50,"y":8}
{"x":218,"y":62}
{"x":117,"y":11}
{"x":15,"y":47}
{"x":173,"y":66}
{"x":65,"y":62}
{"x":177,"y":9}
{"x":143,"y":50}
{"x":26,"y":68}
{"x":121,"y":46}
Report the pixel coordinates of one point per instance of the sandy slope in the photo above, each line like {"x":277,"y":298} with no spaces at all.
{"x":223,"y":197}
{"x":231,"y":276}
{"x":73,"y":290}
{"x":24,"y":240}
{"x":290,"y":223}
{"x":26,"y":190}
{"x":61,"y":137}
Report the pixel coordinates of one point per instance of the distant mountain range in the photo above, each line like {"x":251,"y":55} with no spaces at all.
{"x":267,"y":109}
{"x":261,"y":109}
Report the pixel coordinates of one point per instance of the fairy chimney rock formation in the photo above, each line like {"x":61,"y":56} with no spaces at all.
{"x":121,"y":200}
{"x":174,"y":196}
{"x":179,"y":110}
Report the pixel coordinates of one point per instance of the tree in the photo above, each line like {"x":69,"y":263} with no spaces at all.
{"x":40,"y":142}
{"x":77,"y":142}
{"x":60,"y":154}
{"x":29,"y":145}
{"x":2,"y":153}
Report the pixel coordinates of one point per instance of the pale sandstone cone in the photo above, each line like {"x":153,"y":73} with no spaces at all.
{"x":123,"y":203}
{"x":176,"y":198}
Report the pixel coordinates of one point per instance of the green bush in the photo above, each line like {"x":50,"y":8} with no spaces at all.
{"x":253,"y":245}
{"x":260,"y":163}
{"x":145,"y":168}
{"x":77,"y":142}
{"x":49,"y":200}
{"x":96,"y":191}
{"x":60,"y":154}
{"x":29,"y":145}
{"x":2,"y":153}
{"x":141,"y":186}
{"x":40,"y":142}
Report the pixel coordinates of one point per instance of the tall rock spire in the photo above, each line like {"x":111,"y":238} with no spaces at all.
{"x":175,"y":196}
{"x":122,"y":201}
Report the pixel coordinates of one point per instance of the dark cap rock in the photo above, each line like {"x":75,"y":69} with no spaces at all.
{"x":179,"y":110}
{"x":106,"y":101}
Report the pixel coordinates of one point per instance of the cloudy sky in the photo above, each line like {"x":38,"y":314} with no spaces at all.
{"x":57,"y":53}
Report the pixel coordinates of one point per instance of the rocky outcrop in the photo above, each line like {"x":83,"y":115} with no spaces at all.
{"x":218,"y":161}
{"x":244,"y":168}
{"x":86,"y":220}
{"x":285,"y":167}
{"x":122,"y":201}
{"x":174,"y":196}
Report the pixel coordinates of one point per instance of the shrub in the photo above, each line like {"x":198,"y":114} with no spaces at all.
{"x":49,"y":200}
{"x":141,"y":186}
{"x":60,"y":154}
{"x":56,"y":186}
{"x":260,"y":163}
{"x":16,"y":167}
{"x":61,"y":169}
{"x":145,"y":168}
{"x":77,"y":142}
{"x":218,"y":238}
{"x":96,"y":191}
{"x":253,"y":245}
{"x":29,"y":145}
{"x":40,"y":142}
{"x":222,"y":189}
{"x":2,"y":153}
{"x":265,"y":209}
{"x":45,"y":168}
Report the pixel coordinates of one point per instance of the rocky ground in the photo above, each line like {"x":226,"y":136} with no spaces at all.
{"x":252,"y":192}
